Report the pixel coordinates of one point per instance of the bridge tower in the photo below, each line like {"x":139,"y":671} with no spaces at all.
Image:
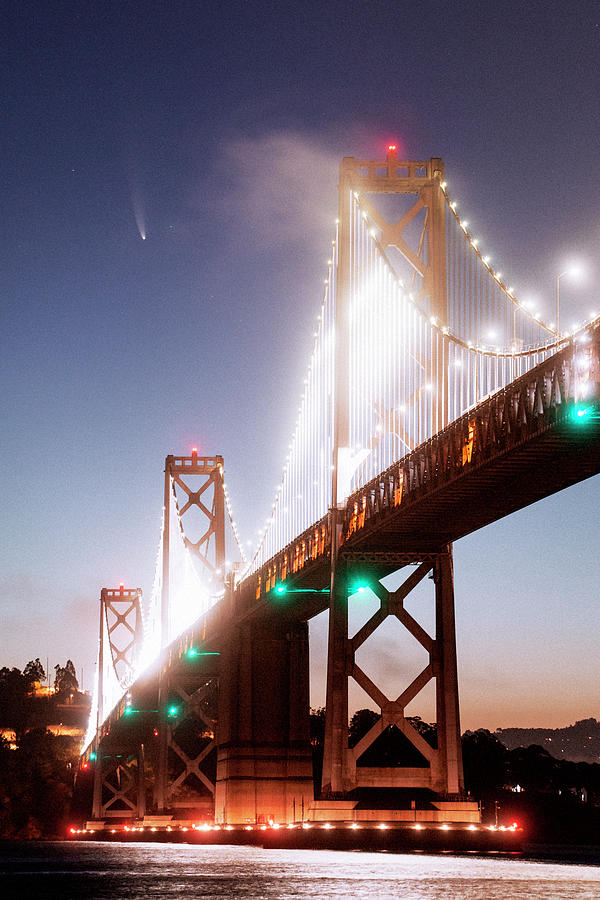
{"x":427,"y":264}
{"x":197,"y":477}
{"x":119,"y":769}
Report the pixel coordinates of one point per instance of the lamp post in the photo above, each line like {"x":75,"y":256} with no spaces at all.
{"x":558,"y":277}
{"x":575,"y":270}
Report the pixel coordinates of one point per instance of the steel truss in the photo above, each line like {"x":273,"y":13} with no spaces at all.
{"x":122,"y":611}
{"x":119,"y":785}
{"x":178,"y":470}
{"x":193,"y":707}
{"x":443,"y":774}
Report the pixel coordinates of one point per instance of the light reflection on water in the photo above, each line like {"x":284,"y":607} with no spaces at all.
{"x":130,"y":871}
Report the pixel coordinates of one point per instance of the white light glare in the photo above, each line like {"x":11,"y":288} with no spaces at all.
{"x":575,"y":270}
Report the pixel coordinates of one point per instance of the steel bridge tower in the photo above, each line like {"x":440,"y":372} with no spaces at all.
{"x":427,"y":262}
{"x":207,"y":476}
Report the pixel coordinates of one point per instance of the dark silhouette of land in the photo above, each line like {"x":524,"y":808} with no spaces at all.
{"x":579,"y":742}
{"x":556,"y":800}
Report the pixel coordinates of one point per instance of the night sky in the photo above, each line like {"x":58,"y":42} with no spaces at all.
{"x":216,"y":131}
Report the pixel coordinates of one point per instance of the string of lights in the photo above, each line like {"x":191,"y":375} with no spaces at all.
{"x":302,"y":496}
{"x":232,"y":521}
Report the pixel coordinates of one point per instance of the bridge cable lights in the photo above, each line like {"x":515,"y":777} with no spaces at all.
{"x":452,"y":204}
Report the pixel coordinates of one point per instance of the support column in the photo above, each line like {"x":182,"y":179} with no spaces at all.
{"x":335,"y":780}
{"x":264,"y":762}
{"x":162,"y":775}
{"x":141,"y":783}
{"x":164,"y":597}
{"x":449,"y":744}
{"x":97,"y":795}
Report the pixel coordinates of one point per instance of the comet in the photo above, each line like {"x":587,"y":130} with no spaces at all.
{"x":138,"y":207}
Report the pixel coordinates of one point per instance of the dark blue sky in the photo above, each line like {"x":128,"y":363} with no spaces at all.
{"x":221,"y":126}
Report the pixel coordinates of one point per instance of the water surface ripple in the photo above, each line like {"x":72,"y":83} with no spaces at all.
{"x":94,"y":870}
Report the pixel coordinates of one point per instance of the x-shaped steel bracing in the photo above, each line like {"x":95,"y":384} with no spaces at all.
{"x":193,"y":705}
{"x":392,"y":711}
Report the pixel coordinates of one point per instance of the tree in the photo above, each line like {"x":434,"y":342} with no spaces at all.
{"x":360,"y":723}
{"x":36,"y":784}
{"x":427,"y":730}
{"x":65,"y":679}
{"x":34,"y":671}
{"x":485,"y":761}
{"x":13,"y":699}
{"x":317,"y":727}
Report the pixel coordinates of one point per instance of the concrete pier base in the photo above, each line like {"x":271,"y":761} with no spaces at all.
{"x":264,"y":762}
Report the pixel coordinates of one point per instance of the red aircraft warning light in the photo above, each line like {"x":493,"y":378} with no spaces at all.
{"x":392,"y":147}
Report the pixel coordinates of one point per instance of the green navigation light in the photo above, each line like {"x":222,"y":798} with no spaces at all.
{"x":172,"y":712}
{"x":284,"y":589}
{"x":583,"y":414}
{"x":193,"y":652}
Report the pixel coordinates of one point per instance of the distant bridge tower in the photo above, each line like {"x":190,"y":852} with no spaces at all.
{"x":178,"y":471}
{"x":119,"y":780}
{"x":196,"y":477}
{"x":425,"y":258}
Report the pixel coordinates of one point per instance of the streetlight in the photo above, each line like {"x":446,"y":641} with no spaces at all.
{"x":575,"y":270}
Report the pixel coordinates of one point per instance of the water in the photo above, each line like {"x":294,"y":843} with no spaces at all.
{"x":71,"y":870}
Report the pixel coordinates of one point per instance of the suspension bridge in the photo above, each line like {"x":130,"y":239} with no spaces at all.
{"x":435,"y":402}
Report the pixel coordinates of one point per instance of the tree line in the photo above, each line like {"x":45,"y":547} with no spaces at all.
{"x":556,"y":800}
{"x":20,"y":708}
{"x":553,"y":799}
{"x":37,"y":769}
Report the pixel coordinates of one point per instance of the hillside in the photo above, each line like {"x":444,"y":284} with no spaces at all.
{"x":579,"y":742}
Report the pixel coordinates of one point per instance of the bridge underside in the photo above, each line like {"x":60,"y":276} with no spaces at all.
{"x":489,"y":491}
